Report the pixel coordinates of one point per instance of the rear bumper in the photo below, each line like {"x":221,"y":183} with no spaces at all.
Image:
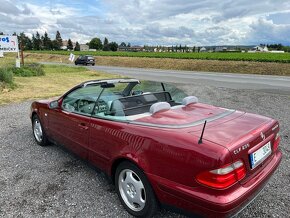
{"x":216,"y":203}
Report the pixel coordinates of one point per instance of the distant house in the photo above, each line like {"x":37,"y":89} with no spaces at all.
{"x":259,"y":49}
{"x":203,"y":49}
{"x":65,"y":44}
{"x":132,"y":48}
{"x":220,"y":49}
{"x":84,"y":47}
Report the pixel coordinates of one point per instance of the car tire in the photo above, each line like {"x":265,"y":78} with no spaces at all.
{"x":93,"y":64}
{"x":76,"y":64}
{"x":135,"y":191}
{"x":38,"y":132}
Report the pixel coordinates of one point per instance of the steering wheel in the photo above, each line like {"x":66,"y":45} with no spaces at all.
{"x":79,"y":104}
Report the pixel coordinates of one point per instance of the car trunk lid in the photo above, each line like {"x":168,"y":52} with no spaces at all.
{"x":248,"y":137}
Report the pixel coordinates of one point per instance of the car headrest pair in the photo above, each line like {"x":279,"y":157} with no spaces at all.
{"x":164,"y":106}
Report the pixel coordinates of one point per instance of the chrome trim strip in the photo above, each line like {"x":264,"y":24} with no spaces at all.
{"x":111,"y":81}
{"x":210,"y":119}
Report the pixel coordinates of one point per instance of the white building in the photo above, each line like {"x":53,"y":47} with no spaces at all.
{"x":203,"y":49}
{"x":84,"y":47}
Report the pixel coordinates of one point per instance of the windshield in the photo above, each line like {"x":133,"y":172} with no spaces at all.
{"x":129,"y":101}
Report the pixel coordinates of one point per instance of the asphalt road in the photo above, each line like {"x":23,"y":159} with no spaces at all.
{"x":273,"y":84}
{"x":51,"y":182}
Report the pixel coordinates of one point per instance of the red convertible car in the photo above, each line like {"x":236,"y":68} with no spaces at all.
{"x":161,"y":147}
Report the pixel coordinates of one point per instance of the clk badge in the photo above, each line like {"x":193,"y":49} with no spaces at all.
{"x":262,"y":135}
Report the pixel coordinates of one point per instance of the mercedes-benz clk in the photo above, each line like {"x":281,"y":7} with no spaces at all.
{"x":162,"y":147}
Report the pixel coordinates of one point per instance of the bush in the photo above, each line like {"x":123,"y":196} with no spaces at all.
{"x":29,"y":70}
{"x":6,"y":75}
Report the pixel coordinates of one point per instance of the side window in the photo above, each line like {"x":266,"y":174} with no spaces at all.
{"x":82,"y":100}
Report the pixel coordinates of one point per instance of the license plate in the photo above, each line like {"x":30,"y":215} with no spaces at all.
{"x":260,"y":155}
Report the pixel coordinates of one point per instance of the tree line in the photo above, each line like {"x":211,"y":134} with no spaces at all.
{"x":96,"y":43}
{"x":44,"y":42}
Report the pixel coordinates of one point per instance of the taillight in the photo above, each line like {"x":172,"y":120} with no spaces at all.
{"x":276,"y":142}
{"x":223,"y":177}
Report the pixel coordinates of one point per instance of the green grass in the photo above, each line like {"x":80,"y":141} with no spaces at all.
{"x":6,"y":75}
{"x":57,"y":79}
{"x":64,"y":69}
{"x":29,"y":70}
{"x":223,"y":56}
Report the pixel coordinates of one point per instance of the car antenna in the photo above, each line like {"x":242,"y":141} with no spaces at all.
{"x":200,"y":139}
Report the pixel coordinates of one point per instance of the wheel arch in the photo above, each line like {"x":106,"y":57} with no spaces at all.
{"x":34,"y":113}
{"x":117,"y":162}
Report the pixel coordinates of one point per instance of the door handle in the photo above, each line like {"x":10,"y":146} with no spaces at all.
{"x":83,"y":126}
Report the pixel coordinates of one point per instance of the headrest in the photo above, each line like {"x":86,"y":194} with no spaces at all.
{"x":159,"y":106}
{"x":189,"y":100}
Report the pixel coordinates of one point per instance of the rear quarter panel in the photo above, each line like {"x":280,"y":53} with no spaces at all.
{"x":170,"y":154}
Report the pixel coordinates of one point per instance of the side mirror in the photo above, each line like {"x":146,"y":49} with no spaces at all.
{"x":54,"y":104}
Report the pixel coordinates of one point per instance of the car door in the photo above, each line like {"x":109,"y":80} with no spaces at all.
{"x":107,"y":138}
{"x":83,"y":60}
{"x":107,"y":134}
{"x":70,"y":124}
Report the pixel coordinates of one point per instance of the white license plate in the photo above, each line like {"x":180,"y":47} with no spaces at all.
{"x":260,"y":155}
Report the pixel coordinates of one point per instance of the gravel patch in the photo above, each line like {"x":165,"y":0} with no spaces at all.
{"x":51,"y":182}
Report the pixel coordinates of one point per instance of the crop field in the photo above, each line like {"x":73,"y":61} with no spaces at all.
{"x":222,"y":56}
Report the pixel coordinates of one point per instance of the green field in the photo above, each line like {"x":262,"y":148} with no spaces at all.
{"x":223,"y":56}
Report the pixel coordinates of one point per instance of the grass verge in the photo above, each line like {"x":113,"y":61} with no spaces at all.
{"x":57,"y":80}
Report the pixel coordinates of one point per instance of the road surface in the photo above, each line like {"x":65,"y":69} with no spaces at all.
{"x":273,"y":84}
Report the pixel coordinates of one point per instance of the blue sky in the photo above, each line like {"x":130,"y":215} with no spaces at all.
{"x":152,"y":22}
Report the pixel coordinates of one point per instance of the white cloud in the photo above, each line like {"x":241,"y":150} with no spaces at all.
{"x":268,"y":32}
{"x":165,"y":22}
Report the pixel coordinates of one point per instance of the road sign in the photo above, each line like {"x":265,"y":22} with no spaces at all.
{"x":8,"y":43}
{"x":71,"y":57}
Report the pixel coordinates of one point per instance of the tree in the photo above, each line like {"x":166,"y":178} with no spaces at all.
{"x":113,"y":46}
{"x":26,"y":41}
{"x":123,"y":44}
{"x":70,"y":45}
{"x":129,"y":44}
{"x":77,"y":47}
{"x":58,"y":41}
{"x":106,"y":45}
{"x":96,"y":43}
{"x":1,"y":33}
{"x":36,"y":41}
{"x":46,"y":41}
